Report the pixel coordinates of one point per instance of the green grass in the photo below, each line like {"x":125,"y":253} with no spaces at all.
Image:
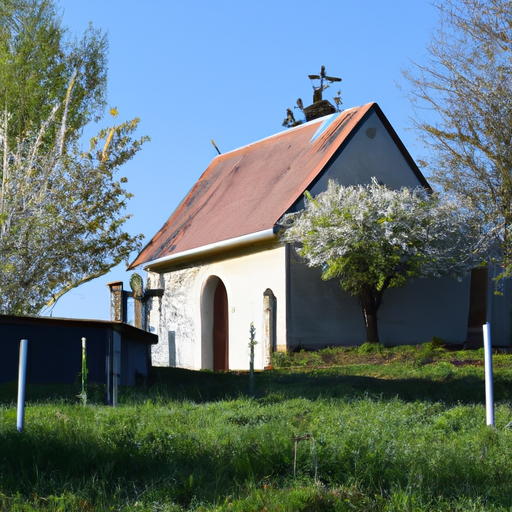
{"x":387,"y":430}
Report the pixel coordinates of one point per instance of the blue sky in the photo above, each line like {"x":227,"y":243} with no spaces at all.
{"x":227,"y":70}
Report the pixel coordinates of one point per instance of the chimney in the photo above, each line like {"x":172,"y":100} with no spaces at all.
{"x":319,"y":109}
{"x":117,"y":302}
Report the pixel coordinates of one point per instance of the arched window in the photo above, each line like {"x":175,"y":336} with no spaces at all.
{"x":269,"y":323}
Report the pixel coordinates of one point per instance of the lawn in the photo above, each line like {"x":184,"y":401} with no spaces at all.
{"x":342,"y":429}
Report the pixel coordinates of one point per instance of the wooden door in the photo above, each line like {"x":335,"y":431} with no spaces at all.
{"x":220,"y":329}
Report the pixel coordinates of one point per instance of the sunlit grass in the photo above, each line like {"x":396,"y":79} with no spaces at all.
{"x":394,"y":435}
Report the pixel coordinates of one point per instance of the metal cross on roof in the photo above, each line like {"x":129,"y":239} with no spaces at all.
{"x":317,"y":94}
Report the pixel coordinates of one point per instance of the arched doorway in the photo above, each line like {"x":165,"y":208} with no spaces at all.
{"x":214,"y":326}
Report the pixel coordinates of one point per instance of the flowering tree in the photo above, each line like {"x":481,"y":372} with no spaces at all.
{"x":372,"y":238}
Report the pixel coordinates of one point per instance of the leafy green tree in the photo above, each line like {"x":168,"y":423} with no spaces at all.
{"x":61,"y":207}
{"x":37,"y":59}
{"x":372,"y":238}
{"x":463,"y":99}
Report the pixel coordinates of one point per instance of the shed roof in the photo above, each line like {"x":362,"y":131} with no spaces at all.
{"x":249,"y":189}
{"x":126,"y":330}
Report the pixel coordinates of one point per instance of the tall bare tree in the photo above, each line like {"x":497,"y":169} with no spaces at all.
{"x":462,"y":95}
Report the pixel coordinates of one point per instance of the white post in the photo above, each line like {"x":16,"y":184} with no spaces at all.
{"x":489,"y":399}
{"x":22,"y":373}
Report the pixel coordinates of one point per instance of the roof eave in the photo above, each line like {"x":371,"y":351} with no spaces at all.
{"x":251,"y":239}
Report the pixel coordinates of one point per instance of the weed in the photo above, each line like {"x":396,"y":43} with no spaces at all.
{"x":370,"y":348}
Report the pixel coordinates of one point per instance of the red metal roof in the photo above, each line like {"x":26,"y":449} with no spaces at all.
{"x":249,"y":189}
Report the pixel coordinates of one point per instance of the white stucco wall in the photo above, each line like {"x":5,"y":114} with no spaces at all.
{"x":177,"y":318}
{"x":173,"y":318}
{"x":424,"y":308}
{"x":322,"y":315}
{"x":370,"y":153}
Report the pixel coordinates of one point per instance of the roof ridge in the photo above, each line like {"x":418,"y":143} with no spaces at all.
{"x":284,"y":132}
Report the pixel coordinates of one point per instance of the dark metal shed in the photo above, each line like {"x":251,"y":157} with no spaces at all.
{"x":55,"y":349}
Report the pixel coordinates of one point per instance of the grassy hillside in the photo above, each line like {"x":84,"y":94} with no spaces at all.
{"x":355,"y":429}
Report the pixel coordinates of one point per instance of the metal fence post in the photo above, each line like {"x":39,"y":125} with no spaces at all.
{"x":22,"y":374}
{"x":489,"y":398}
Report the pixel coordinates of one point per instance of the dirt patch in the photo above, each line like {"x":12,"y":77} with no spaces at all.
{"x":468,"y":362}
